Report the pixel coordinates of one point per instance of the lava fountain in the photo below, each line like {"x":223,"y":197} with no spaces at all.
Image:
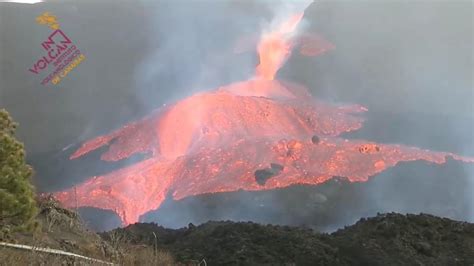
{"x":257,"y":134}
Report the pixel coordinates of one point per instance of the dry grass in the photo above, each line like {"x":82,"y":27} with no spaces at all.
{"x":141,"y":255}
{"x":62,"y":229}
{"x":9,"y":257}
{"x":137,"y":255}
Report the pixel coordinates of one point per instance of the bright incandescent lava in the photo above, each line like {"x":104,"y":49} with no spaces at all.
{"x":252,"y":135}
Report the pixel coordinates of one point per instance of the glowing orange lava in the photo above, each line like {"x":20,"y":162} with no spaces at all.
{"x":275,"y":47}
{"x":216,"y":141}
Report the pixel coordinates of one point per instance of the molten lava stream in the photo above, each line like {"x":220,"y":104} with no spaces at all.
{"x":254,"y":135}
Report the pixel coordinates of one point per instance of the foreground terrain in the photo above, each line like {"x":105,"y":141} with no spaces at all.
{"x":387,"y":239}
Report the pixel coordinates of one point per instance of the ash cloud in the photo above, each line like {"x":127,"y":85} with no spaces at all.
{"x":189,"y":49}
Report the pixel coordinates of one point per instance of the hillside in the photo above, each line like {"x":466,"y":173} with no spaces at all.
{"x":387,"y":239}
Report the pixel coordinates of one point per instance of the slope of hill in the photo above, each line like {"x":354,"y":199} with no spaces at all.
{"x":387,"y":239}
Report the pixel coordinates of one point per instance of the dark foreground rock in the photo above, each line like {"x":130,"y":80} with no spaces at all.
{"x":395,"y":239}
{"x":387,"y":239}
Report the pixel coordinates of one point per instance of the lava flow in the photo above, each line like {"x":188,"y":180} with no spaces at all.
{"x":258,"y":134}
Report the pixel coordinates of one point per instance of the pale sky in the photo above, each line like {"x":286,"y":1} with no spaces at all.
{"x":22,"y":1}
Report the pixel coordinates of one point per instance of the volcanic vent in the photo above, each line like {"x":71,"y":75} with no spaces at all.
{"x":257,"y":134}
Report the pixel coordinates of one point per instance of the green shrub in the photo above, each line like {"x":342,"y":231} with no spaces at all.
{"x":17,"y":196}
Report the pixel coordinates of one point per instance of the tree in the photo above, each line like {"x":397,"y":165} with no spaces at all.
{"x":17,"y":195}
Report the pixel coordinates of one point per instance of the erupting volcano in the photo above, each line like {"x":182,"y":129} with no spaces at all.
{"x":258,"y":134}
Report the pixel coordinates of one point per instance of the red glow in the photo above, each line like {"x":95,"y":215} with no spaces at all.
{"x":215,"y":141}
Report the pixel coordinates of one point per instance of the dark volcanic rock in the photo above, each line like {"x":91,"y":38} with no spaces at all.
{"x":315,"y":139}
{"x":277,"y":167}
{"x":387,"y":239}
{"x":262,"y":175}
{"x":395,"y":239}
